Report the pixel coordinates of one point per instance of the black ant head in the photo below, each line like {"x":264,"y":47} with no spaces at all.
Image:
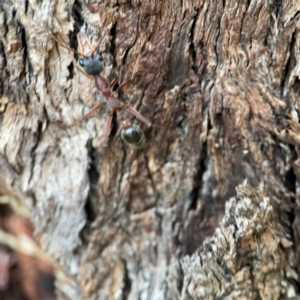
{"x":133,"y":136}
{"x":92,"y":65}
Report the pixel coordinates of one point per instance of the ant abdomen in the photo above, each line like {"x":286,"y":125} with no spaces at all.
{"x":92,"y":65}
{"x":133,"y":136}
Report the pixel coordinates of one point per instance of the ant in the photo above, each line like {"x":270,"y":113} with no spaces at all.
{"x":92,"y":64}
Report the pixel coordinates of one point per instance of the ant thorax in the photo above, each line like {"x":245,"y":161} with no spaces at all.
{"x":92,"y":64}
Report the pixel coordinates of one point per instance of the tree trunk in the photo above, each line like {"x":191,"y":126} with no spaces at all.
{"x":219,"y":80}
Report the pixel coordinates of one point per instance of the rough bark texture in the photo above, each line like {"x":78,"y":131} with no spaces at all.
{"x":220,"y":82}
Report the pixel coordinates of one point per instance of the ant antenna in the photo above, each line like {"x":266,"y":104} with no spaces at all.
{"x":60,"y":42}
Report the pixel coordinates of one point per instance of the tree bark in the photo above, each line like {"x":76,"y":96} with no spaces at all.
{"x":209,"y":208}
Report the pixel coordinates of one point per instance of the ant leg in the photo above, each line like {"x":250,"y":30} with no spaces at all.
{"x":114,"y":81}
{"x":135,"y":113}
{"x":93,"y":110}
{"x":123,"y":85}
{"x":108,"y":128}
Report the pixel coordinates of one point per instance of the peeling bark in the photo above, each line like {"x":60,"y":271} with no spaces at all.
{"x":220,"y":82}
{"x":246,"y":258}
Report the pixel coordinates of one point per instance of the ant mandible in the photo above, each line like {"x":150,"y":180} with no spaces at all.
{"x":92,"y":65}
